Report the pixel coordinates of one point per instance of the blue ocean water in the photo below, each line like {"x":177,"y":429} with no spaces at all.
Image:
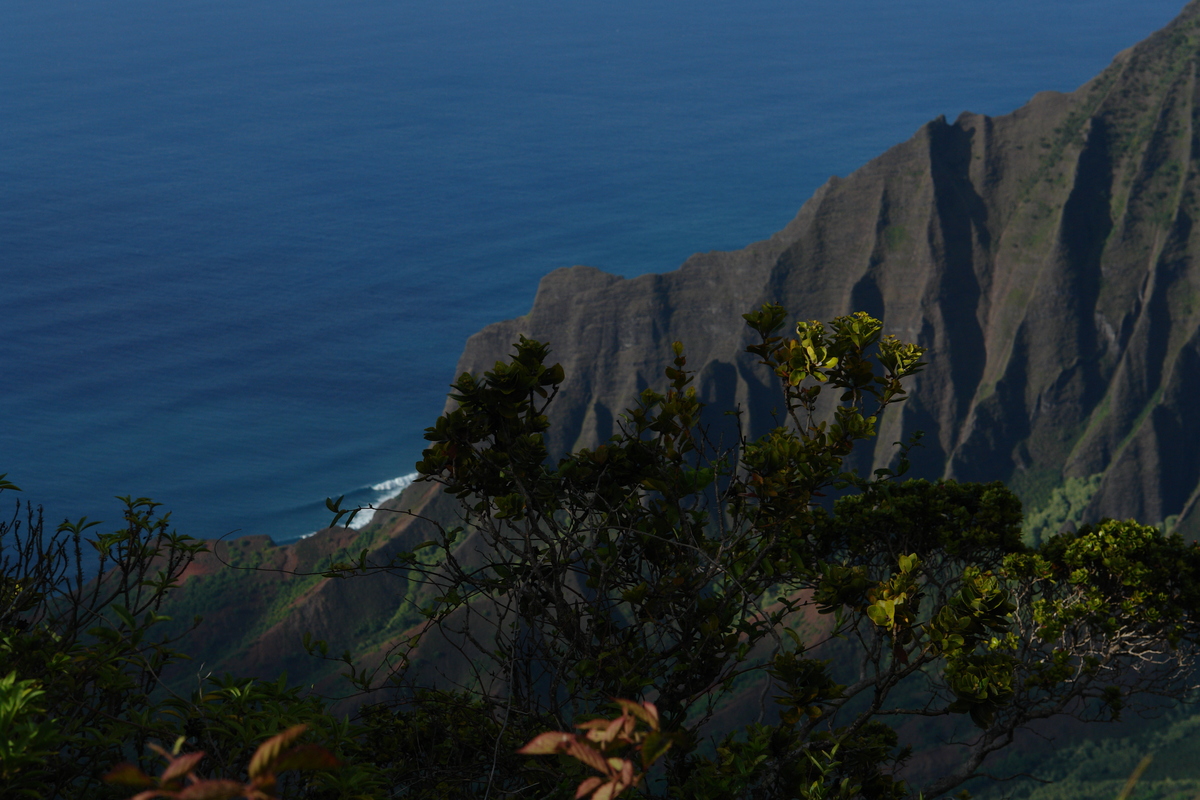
{"x":242,"y":243}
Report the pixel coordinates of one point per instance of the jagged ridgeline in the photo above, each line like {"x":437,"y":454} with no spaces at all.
{"x":1048,"y":259}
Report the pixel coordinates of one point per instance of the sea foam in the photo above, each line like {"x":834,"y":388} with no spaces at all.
{"x":395,"y":485}
{"x":373,"y":495}
{"x":383,"y":492}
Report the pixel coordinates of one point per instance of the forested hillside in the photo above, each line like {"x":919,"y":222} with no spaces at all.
{"x":758,"y":641}
{"x":1044,"y":265}
{"x":1046,"y":259}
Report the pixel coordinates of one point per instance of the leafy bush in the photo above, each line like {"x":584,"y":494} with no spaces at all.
{"x":83,"y":647}
{"x":660,"y":568}
{"x":82,"y":652}
{"x":179,"y":780}
{"x":29,"y":739}
{"x":762,"y":640}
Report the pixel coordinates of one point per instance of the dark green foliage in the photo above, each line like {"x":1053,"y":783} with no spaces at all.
{"x":82,"y":651}
{"x":88,"y":645}
{"x":658,"y":567}
{"x":1098,"y":767}
{"x":179,"y":778}
{"x":453,"y":745}
{"x":228,"y":717}
{"x":1062,"y":505}
{"x":781,"y":645}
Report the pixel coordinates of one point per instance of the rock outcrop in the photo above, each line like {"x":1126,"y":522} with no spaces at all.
{"x":1047,"y":259}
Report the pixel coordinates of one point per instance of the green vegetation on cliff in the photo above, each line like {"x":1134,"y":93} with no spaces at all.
{"x":777,"y":646}
{"x":794,"y":646}
{"x":1047,"y":259}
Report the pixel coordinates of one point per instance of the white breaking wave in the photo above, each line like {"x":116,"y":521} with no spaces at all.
{"x":382,"y":492}
{"x":386,"y":491}
{"x":396,"y":485}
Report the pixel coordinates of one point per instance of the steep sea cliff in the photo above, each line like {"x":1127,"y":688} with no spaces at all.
{"x":1047,"y":258}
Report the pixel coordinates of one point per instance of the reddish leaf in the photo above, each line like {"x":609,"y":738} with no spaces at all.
{"x":306,"y":756}
{"x":594,"y":724}
{"x":626,"y":773}
{"x":607,"y":731}
{"x":646,"y":712}
{"x":545,"y":744}
{"x":128,"y":775}
{"x":213,"y":790}
{"x":588,"y":755}
{"x":181,"y":765}
{"x":269,"y":751}
{"x":160,"y":751}
{"x":587,"y":787}
{"x":607,"y":791}
{"x":262,"y":786}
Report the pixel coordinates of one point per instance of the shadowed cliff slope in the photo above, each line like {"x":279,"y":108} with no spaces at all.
{"x":1047,"y":259}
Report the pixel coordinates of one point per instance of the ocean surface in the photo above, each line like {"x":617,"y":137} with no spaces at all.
{"x":242,"y":243}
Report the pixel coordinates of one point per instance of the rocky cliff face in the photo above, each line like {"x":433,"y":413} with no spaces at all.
{"x":1047,"y":259}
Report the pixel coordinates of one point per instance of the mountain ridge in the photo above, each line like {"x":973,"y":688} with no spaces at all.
{"x":1045,"y":258}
